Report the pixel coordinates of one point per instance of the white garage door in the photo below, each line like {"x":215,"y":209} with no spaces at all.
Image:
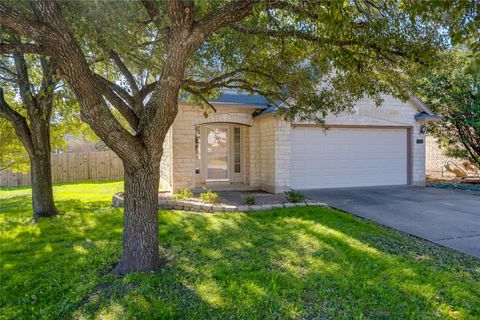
{"x":348,"y":157}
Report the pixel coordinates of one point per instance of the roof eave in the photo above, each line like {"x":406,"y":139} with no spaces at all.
{"x":423,"y":117}
{"x":421,"y":106}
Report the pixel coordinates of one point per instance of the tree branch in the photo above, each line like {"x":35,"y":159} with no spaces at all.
{"x":19,"y":23}
{"x":232,"y":12}
{"x":146,"y":90}
{"x":49,"y":69}
{"x":126,"y":73}
{"x":23,"y":80}
{"x":296,"y":34}
{"x":76,"y":72}
{"x":125,"y":110}
{"x":6,"y":48}
{"x":19,"y":123}
{"x":227,"y":79}
{"x":153,"y":12}
{"x":199,"y":94}
{"x":179,"y":11}
{"x":285,"y":34}
{"x":127,"y":98}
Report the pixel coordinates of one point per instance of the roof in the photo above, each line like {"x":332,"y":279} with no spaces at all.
{"x":241,"y":98}
{"x":270,"y":109}
{"x":425,"y":117}
{"x":237,"y":98}
{"x":421,"y":106}
{"x":425,"y":114}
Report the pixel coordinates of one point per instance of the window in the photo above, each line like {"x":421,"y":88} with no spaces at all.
{"x":197,"y":150}
{"x":236,"y":150}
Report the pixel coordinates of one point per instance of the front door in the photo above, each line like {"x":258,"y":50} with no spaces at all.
{"x":217,"y":153}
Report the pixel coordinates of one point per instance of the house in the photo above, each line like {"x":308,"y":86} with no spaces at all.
{"x":246,"y":145}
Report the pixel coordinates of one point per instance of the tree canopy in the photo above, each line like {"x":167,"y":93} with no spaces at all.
{"x":311,"y":56}
{"x":453,"y":92}
{"x":65,"y":118}
{"x":283,"y":49}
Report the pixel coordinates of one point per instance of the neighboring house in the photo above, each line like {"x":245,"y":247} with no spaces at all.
{"x":245,"y":145}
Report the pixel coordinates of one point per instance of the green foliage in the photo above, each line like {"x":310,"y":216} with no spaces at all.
{"x":302,"y":262}
{"x":65,"y":118}
{"x":249,"y":199}
{"x":356,"y":49}
{"x":209,"y":196}
{"x":460,"y":18}
{"x":12,"y":153}
{"x":184,"y":193}
{"x":293,"y":196}
{"x":453,"y":93}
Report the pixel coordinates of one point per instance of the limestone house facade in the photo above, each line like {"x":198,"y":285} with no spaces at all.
{"x":246,"y":145}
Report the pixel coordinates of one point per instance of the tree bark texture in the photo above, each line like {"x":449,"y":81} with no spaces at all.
{"x":40,"y":159}
{"x":42,"y":193}
{"x":140,"y":225}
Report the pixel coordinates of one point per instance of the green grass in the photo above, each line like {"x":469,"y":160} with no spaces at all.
{"x":300,"y":263}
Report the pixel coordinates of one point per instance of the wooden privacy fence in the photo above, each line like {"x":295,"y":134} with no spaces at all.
{"x":67,"y":167}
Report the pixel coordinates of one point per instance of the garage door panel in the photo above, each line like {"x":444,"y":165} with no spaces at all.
{"x":348,"y":157}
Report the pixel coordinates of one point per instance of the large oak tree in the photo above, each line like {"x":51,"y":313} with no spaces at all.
{"x":176,"y":48}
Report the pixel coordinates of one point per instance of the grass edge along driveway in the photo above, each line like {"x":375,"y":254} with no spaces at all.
{"x":296,"y":263}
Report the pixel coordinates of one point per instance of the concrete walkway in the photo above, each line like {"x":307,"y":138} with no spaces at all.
{"x":445,"y":217}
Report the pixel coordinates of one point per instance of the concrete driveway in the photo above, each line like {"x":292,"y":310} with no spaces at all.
{"x":445,"y":217}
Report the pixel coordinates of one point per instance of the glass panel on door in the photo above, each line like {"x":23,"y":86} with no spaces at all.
{"x":217,"y":153}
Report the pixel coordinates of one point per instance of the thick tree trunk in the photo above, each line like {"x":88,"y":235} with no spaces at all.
{"x":40,"y":162}
{"x":140,"y":225}
{"x":42,"y":192}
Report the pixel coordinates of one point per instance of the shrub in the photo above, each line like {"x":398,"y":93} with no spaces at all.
{"x":249,"y":199}
{"x":210,"y":196}
{"x":293,"y":196}
{"x":184,"y":193}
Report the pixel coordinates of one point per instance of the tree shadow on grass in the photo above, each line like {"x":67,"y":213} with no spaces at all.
{"x":311,"y":263}
{"x":48,"y":267}
{"x":296,"y":263}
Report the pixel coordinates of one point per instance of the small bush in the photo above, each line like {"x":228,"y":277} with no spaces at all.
{"x":294,"y":197}
{"x":184,"y":193}
{"x":249,"y":199}
{"x":210,"y":196}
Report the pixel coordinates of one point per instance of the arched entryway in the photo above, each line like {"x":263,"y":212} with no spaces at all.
{"x":221,"y":153}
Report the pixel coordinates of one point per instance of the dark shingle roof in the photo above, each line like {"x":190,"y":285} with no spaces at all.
{"x":425,"y":117}
{"x":270,"y":109}
{"x":240,"y":98}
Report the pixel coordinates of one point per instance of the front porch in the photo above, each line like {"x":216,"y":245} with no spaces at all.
{"x":226,"y":150}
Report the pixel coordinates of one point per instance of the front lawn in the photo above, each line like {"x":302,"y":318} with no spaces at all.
{"x":299,"y":263}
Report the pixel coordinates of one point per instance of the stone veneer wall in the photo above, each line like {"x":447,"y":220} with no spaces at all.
{"x":270,"y":154}
{"x":283,"y":149}
{"x":183,"y":138}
